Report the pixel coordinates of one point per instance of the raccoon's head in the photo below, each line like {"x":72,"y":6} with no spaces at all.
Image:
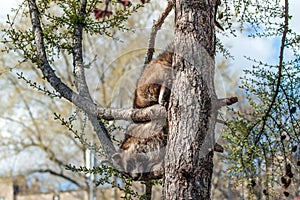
{"x":132,"y":165}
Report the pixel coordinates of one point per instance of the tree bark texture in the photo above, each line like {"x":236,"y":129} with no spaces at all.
{"x":191,"y":114}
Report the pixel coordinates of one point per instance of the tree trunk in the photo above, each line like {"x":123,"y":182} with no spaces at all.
{"x":191,"y":116}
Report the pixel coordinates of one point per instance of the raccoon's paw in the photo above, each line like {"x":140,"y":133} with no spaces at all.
{"x":164,"y":95}
{"x":163,"y":102}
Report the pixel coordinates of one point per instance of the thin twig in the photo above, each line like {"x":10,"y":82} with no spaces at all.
{"x":155,"y":28}
{"x":280,"y":67}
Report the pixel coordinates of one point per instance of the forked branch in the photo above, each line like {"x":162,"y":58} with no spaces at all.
{"x":57,"y":84}
{"x":81,"y":85}
{"x":83,"y":100}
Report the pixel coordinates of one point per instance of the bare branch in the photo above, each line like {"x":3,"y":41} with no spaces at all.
{"x":155,"y":28}
{"x":137,"y":115}
{"x":80,"y":82}
{"x":225,"y":102}
{"x":280,"y":67}
{"x":74,"y":181}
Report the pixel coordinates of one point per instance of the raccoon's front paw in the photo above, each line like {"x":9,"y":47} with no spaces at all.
{"x":164,"y":95}
{"x":163,"y":103}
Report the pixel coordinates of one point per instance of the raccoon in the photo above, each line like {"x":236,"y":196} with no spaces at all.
{"x":154,"y":85}
{"x":142,"y":150}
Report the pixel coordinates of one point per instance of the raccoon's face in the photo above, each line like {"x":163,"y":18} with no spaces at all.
{"x":132,"y":165}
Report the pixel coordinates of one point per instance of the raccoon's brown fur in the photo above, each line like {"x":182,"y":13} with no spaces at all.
{"x":143,"y":148}
{"x":142,"y":151}
{"x":155,"y":81}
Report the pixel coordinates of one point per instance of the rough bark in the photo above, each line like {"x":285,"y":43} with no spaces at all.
{"x":191,"y":115}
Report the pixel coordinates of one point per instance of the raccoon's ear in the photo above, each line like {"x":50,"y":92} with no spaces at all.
{"x":116,"y":158}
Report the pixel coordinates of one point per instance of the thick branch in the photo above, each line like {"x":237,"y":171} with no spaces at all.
{"x":80,"y":82}
{"x":191,"y":122}
{"x":136,"y":115}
